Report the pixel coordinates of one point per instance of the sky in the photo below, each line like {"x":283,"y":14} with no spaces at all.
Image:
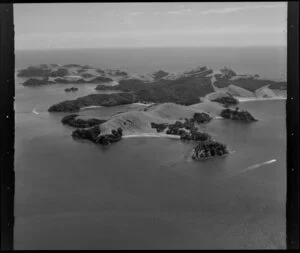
{"x":102,"y":25}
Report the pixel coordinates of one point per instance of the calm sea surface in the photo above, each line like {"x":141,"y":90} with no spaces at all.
{"x":268,"y":62}
{"x":144,"y":193}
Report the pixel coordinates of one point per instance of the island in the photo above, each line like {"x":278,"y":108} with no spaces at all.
{"x":114,"y":129}
{"x":71,"y":89}
{"x":162,"y":120}
{"x":93,"y":100}
{"x":34,"y":82}
{"x":183,"y":122}
{"x":176,"y":105}
{"x":237,"y":115}
{"x":209,"y":149}
{"x":159,"y":86}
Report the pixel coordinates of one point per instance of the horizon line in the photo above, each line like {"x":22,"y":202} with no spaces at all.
{"x":149,"y":47}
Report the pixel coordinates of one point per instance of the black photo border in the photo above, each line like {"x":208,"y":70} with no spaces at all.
{"x":7,"y":125}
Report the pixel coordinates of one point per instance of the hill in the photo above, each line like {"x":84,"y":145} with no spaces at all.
{"x":238,"y":91}
{"x":93,"y":100}
{"x":251,"y":84}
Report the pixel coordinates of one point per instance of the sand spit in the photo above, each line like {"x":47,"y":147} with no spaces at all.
{"x":243,"y":99}
{"x":152,"y":135}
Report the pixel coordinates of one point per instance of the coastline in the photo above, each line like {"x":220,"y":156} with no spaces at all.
{"x":144,"y":104}
{"x":99,"y":106}
{"x":90,"y":107}
{"x":153,"y":135}
{"x":246,"y":99}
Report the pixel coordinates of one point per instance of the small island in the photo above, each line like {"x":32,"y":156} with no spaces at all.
{"x":34,"y":82}
{"x":209,"y":149}
{"x":237,"y":115}
{"x":71,"y":89}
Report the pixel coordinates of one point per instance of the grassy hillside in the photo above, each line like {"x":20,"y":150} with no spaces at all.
{"x":250,"y":84}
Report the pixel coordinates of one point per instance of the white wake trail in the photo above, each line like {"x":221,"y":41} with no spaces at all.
{"x":34,"y":111}
{"x":255,"y":166}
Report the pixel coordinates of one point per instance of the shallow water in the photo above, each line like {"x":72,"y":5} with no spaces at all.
{"x":146,"y":192}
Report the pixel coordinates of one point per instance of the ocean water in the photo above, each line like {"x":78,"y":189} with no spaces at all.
{"x":146,"y":193}
{"x":269,"y":62}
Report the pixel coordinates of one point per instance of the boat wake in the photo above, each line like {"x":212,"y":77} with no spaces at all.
{"x":35,"y":112}
{"x":253,"y":167}
{"x":259,"y":165}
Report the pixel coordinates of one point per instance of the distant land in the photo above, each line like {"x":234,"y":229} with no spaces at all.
{"x":159,"y":86}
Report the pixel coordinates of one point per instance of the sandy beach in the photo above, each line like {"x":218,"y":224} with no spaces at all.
{"x":144,"y":104}
{"x":153,"y":135}
{"x":246,"y":99}
{"x":90,"y":107}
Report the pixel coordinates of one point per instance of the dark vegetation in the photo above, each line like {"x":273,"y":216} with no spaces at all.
{"x":71,"y":89}
{"x":206,"y":147}
{"x":237,"y":115}
{"x":86,"y":75}
{"x":278,"y":85}
{"x":100,"y":79}
{"x":201,"y":117}
{"x":159,"y":127}
{"x":250,"y":84}
{"x":209,"y":149}
{"x":59,"y":73}
{"x":72,"y":65}
{"x":185,"y":91}
{"x":36,"y":82}
{"x":228,"y":101}
{"x":160,"y":74}
{"x":115,"y":136}
{"x":34,"y":72}
{"x":192,"y":135}
{"x":227,"y":73}
{"x":121,"y":73}
{"x":93,"y":134}
{"x":73,"y":121}
{"x":178,"y":128}
{"x":93,"y":100}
